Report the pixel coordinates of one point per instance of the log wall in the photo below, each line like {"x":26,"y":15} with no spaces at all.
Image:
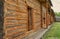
{"x":19,"y":18}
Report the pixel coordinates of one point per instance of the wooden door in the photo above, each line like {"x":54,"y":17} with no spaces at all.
{"x":43,"y":16}
{"x":30,"y":23}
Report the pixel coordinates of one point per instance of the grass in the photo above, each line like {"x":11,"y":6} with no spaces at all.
{"x":54,"y":32}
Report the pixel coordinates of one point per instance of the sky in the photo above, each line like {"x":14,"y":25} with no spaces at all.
{"x":56,"y":5}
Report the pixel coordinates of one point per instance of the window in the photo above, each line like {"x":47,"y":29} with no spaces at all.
{"x":44,"y":20}
{"x":48,"y":10}
{"x":30,"y":18}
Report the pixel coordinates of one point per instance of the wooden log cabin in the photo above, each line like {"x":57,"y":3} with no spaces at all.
{"x":21,"y":17}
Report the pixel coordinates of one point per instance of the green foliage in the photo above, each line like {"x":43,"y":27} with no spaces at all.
{"x":57,"y":14}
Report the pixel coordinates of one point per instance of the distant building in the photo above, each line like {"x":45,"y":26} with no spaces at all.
{"x":57,"y":18}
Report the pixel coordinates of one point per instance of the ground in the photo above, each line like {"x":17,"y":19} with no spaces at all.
{"x":54,"y":32}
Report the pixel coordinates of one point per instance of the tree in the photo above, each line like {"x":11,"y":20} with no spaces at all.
{"x":57,"y":14}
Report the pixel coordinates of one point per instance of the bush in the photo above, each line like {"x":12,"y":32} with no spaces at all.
{"x":57,"y":14}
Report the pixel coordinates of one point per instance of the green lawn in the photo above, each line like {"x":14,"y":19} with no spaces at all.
{"x":54,"y":32}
